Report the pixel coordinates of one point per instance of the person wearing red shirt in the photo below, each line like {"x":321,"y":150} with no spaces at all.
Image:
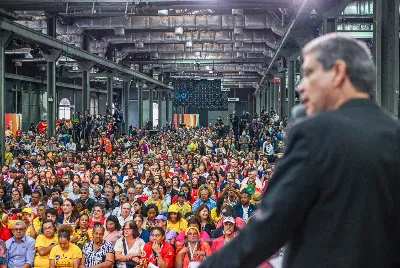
{"x":18,"y":133}
{"x":4,"y":233}
{"x":159,"y":252}
{"x":229,"y":234}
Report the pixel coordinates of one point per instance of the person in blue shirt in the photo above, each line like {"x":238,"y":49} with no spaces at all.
{"x":20,"y":248}
{"x":205,"y":198}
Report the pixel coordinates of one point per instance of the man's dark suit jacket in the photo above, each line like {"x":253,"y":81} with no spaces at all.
{"x":334,"y":197}
{"x":239,"y":210}
{"x":88,"y":204}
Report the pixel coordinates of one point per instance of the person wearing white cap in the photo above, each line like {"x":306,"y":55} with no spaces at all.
{"x":229,"y":234}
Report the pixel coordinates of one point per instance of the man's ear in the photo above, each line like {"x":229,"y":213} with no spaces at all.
{"x":340,"y":69}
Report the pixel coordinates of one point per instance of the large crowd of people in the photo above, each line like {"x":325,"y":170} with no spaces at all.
{"x":94,"y":196}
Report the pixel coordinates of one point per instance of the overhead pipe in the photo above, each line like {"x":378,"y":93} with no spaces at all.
{"x":213,"y":22}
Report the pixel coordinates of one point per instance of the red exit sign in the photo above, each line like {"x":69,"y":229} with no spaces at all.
{"x":277,"y":80}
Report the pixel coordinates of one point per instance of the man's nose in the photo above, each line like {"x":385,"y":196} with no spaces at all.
{"x":300,"y":88}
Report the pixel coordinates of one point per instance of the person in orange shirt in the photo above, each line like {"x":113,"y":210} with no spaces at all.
{"x":192,"y":251}
{"x":159,"y":252}
{"x":105,"y":144}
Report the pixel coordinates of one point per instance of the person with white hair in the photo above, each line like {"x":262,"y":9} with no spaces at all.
{"x":20,"y":248}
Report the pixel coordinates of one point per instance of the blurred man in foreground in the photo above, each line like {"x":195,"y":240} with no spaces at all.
{"x":334,"y":197}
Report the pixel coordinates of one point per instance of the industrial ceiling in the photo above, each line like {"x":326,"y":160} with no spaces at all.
{"x":234,"y":40}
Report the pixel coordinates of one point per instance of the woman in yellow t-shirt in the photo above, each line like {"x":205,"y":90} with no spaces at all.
{"x":175,"y":220}
{"x":65,"y":254}
{"x":44,"y":244}
{"x":82,"y":230}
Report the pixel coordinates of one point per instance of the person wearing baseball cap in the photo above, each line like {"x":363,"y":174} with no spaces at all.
{"x":229,"y":234}
{"x":26,"y":216}
{"x":176,"y":221}
{"x":170,"y":235}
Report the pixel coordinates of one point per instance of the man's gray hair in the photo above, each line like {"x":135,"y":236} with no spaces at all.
{"x":356,"y":55}
{"x":108,"y":188}
{"x":19,"y":223}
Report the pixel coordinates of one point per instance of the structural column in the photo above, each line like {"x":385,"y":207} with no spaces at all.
{"x":140,"y":104}
{"x":272,"y":100}
{"x":167,"y":118}
{"x":51,"y":57}
{"x":127,"y":87}
{"x":5,"y":38}
{"x":151,"y":95}
{"x":265,"y":97}
{"x":110,"y":92}
{"x":283,"y":95}
{"x":271,"y":96}
{"x":182,"y":112}
{"x":160,"y":98}
{"x":85,"y":68}
{"x":52,"y":25}
{"x":291,"y":89}
{"x":386,"y":41}
{"x":276,"y":98}
{"x":329,"y":25}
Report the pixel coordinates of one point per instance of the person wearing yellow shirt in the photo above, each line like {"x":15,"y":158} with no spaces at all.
{"x":27,"y":218}
{"x":8,"y":155}
{"x":44,"y":244}
{"x":216,"y":212}
{"x":65,"y":254}
{"x":184,"y":205}
{"x":82,"y":230}
{"x":41,"y":217}
{"x":175,"y":220}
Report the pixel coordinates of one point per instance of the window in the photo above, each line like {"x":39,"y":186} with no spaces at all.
{"x":94,"y":106}
{"x":64,"y":110}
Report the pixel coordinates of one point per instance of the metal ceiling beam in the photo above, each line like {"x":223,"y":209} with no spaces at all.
{"x":72,"y":51}
{"x":201,"y":61}
{"x":107,"y":9}
{"x":244,"y":79}
{"x":44,"y":82}
{"x":216,"y":2}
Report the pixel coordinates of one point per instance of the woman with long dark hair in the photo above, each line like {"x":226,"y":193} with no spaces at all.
{"x":113,"y":229}
{"x":143,"y":233}
{"x":26,"y":191}
{"x":204,"y":216}
{"x":188,"y":194}
{"x":70,"y":213}
{"x":139,"y":207}
{"x":82,"y":229}
{"x":151,"y":213}
{"x":216,"y":212}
